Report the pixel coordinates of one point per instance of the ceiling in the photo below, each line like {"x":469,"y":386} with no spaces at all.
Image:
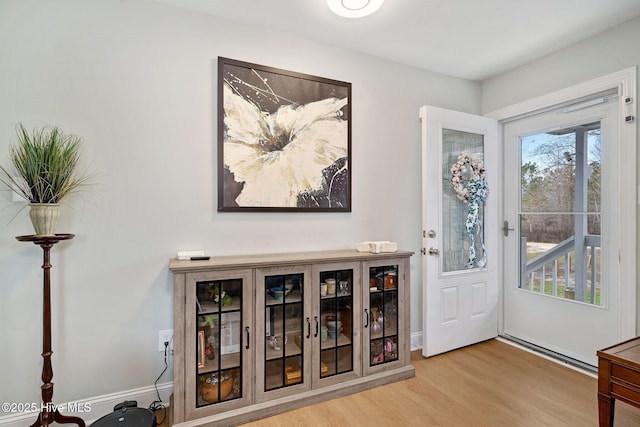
{"x":471,"y":39}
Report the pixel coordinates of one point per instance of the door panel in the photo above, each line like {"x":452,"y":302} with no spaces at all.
{"x":218,"y":359}
{"x":460,"y":247}
{"x":384,"y":322}
{"x":449,"y":305}
{"x":479,"y":299}
{"x":336,"y":356}
{"x":562,"y":281}
{"x":283,"y":343}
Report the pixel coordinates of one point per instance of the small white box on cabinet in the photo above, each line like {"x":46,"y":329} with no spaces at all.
{"x":376,"y":247}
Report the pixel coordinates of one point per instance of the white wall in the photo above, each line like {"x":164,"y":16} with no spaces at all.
{"x":138,"y":81}
{"x":602,"y":54}
{"x":605,"y":53}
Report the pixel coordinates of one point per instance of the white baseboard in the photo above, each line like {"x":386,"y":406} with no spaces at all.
{"x":94,"y":408}
{"x":416,"y":341}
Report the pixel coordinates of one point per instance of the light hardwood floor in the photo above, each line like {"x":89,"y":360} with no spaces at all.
{"x":487,"y":384}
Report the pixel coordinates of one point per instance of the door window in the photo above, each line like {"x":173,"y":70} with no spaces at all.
{"x":457,"y":237}
{"x":560,"y":213}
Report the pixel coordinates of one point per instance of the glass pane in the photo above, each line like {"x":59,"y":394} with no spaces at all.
{"x":391,"y":349}
{"x":390,"y":318}
{"x":219,"y":340}
{"x":456,"y":239}
{"x":284,"y":345}
{"x":336,"y":318}
{"x":345,"y":359}
{"x":560,"y":215}
{"x":383,"y":314}
{"x":274,"y":374}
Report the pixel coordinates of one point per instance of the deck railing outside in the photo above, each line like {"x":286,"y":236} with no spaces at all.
{"x":553,"y":271}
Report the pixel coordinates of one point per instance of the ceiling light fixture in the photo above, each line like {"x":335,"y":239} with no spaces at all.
{"x":354,"y":8}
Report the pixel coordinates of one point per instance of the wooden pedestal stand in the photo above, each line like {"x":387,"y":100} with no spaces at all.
{"x":48,"y":413}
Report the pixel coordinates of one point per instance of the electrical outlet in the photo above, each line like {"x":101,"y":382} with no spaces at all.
{"x":165,"y":335}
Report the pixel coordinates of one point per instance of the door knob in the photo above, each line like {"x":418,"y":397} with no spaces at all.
{"x":434,"y":251}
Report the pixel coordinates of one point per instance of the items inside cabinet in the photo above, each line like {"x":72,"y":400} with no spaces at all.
{"x":284,"y":343}
{"x":383,"y":309}
{"x":219,"y":339}
{"x":336,"y":319}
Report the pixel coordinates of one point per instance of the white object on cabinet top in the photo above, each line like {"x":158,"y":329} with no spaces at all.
{"x":376,"y":247}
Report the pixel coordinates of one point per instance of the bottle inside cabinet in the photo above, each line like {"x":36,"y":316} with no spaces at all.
{"x":219,"y":358}
{"x":383,"y":309}
{"x":284,"y":344}
{"x":336,"y":319}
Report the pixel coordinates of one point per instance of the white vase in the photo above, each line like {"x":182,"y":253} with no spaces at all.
{"x":44,"y":217}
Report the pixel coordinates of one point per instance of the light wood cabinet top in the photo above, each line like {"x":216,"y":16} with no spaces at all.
{"x":258,"y":260}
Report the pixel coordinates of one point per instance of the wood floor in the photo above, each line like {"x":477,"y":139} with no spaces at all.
{"x":487,"y":384}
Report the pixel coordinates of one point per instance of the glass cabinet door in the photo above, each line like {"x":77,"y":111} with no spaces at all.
{"x":217,"y":344}
{"x":382,"y":314}
{"x":337,"y":341}
{"x":218,"y":364}
{"x":336,"y":320}
{"x":284,"y":345}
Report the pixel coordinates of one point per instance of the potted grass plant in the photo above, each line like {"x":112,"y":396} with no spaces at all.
{"x":44,"y":169}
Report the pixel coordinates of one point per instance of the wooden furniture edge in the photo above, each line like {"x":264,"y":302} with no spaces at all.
{"x":179,"y":299}
{"x":611,"y":353}
{"x":611,"y":388}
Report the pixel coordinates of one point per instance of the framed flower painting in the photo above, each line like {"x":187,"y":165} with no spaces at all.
{"x":284,"y":140}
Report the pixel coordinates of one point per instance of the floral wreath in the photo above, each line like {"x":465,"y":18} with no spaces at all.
{"x":474,"y":194}
{"x":477,"y":175}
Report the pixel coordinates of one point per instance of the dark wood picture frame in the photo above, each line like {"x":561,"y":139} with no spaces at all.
{"x":284,"y":140}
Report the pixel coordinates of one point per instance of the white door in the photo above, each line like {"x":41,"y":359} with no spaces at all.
{"x":460,"y":236}
{"x":562,"y":193}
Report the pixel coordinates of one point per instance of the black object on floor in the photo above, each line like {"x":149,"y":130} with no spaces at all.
{"x":127,"y":414}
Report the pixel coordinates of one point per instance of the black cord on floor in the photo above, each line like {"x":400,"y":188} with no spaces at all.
{"x":157,"y":404}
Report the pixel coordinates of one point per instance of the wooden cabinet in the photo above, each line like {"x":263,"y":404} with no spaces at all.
{"x":258,"y":335}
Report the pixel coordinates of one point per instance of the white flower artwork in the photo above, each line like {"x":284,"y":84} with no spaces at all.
{"x":285,"y":141}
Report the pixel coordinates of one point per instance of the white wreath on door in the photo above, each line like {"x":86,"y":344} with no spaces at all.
{"x":474,"y":193}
